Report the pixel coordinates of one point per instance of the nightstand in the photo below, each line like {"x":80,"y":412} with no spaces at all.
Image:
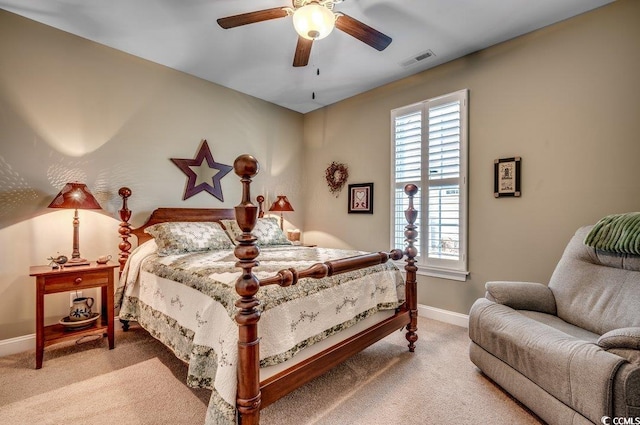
{"x":67,"y":279}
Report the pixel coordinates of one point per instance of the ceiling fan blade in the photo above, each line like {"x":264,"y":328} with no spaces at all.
{"x":362,"y":32}
{"x":303,"y":51}
{"x":252,"y":17}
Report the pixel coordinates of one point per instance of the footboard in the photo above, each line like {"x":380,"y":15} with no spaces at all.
{"x":252,"y":394}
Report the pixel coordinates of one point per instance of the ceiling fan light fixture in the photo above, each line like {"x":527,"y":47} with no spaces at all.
{"x":313,"y":21}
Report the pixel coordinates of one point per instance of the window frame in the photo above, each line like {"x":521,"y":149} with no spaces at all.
{"x":441,"y":268}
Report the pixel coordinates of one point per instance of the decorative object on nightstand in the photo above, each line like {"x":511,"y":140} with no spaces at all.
{"x":281,"y":205}
{"x":57,"y":262}
{"x":75,"y":196}
{"x":81,"y":309}
{"x":103,"y":259}
{"x":67,"y":279}
{"x":294,"y":235}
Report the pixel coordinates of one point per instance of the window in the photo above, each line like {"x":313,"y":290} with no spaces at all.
{"x":429,"y":146}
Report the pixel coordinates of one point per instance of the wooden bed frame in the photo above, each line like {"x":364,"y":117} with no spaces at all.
{"x":253,"y":395}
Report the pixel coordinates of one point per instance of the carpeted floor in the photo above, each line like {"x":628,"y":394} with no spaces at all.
{"x":141,"y":382}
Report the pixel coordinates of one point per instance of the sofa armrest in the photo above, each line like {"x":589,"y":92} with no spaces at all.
{"x":621,"y":338}
{"x":522,"y":296}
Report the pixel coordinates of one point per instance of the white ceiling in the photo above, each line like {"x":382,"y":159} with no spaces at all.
{"x":256,"y":59}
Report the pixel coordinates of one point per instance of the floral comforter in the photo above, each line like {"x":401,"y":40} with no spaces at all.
{"x":187,"y":302}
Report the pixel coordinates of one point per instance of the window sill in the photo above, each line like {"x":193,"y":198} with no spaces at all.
{"x":443,"y":273}
{"x":458,"y":275}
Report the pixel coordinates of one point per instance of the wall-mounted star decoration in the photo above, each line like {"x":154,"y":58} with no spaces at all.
{"x":200,"y":175}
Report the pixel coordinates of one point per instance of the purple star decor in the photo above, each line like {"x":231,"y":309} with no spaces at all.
{"x":199,"y":177}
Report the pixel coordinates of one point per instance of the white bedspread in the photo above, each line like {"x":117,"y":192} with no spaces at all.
{"x":187,"y":302}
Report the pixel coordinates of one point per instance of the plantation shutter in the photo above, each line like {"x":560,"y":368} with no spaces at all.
{"x":408,"y":167}
{"x":429,"y":150}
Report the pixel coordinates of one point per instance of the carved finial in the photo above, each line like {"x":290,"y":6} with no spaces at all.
{"x":246,"y":166}
{"x":260,"y":200}
{"x":411,"y":190}
{"x":124,"y":192}
{"x":411,"y":235}
{"x":411,"y":214}
{"x":125,"y":227}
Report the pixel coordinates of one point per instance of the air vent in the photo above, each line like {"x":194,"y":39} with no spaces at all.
{"x":417,"y":58}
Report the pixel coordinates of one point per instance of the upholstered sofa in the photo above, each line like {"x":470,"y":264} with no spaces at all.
{"x":569,"y":350}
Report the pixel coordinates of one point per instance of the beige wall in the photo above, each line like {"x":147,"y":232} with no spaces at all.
{"x":565,"y":98}
{"x":72,"y":109}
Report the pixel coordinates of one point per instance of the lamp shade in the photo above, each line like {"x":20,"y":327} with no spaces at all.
{"x":313,"y":21}
{"x":281,"y":204}
{"x":75,"y":196}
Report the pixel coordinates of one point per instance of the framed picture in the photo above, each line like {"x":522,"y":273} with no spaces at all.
{"x":507,"y":177}
{"x":361,"y":198}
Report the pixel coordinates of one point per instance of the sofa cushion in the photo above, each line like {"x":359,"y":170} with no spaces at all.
{"x":561,"y":325}
{"x":594,"y":297}
{"x":576,"y":372}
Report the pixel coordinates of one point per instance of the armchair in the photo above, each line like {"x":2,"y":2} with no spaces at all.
{"x":569,"y":350}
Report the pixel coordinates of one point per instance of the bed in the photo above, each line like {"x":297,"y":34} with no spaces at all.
{"x":253,"y":316}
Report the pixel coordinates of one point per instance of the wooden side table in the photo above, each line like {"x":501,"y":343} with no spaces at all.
{"x":68,"y":279}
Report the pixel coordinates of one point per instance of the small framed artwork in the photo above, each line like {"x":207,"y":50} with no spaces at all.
{"x":506,"y":177}
{"x":361,"y":198}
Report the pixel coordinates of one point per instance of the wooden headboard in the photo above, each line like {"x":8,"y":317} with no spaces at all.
{"x":162,"y":215}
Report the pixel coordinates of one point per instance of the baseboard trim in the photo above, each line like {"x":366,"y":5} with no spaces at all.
{"x":441,"y":315}
{"x":28,"y":342}
{"x":17,"y":345}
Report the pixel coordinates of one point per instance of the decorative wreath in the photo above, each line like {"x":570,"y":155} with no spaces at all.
{"x":336,"y":176}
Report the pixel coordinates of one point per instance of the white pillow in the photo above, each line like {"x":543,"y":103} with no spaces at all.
{"x":179,"y":237}
{"x":267,"y":231}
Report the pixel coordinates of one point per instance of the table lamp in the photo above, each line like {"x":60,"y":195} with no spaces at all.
{"x":281,"y":205}
{"x":75,"y":196}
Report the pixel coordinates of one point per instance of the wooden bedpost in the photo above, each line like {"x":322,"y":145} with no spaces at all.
{"x":247,"y":285}
{"x":125,"y":227}
{"x":411,"y":234}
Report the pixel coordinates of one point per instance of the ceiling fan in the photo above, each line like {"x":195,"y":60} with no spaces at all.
{"x":313,"y":20}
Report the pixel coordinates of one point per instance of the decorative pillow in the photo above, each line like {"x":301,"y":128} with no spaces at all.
{"x":267,"y":231}
{"x":179,"y":237}
{"x":619,"y":233}
{"x":621,"y":338}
